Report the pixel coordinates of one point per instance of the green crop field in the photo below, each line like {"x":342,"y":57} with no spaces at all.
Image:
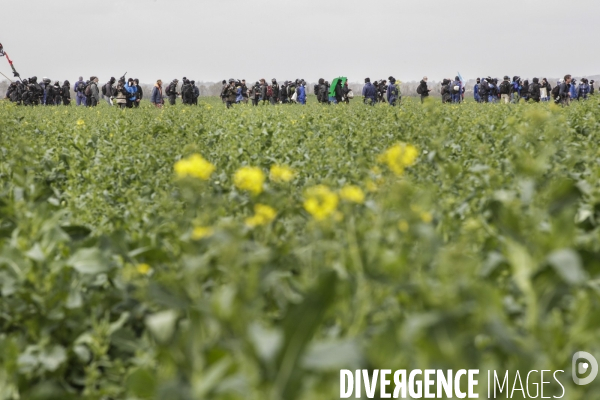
{"x":253,"y":253}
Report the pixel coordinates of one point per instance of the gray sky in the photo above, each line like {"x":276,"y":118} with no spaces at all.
{"x":211,"y":40}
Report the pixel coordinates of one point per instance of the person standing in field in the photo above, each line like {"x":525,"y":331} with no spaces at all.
{"x":244,"y":92}
{"x":423,"y":90}
{"x":301,"y":92}
{"x":505,"y":87}
{"x":476,"y":91}
{"x":156,"y":97}
{"x":196,"y":91}
{"x":573,"y":89}
{"x":273,"y":92}
{"x":94,"y":92}
{"x":139,"y":94}
{"x":66,"y":93}
{"x":583,"y":90}
{"x":534,"y":90}
{"x":131,"y":93}
{"x":230,"y":93}
{"x":545,"y":90}
{"x":369,"y":93}
{"x":592,"y":87}
{"x":79,"y":95}
{"x":456,"y":90}
{"x":564,"y":93}
{"x":107,"y":91}
{"x":57,"y":93}
{"x":172,"y":92}
{"x":121,"y":93}
{"x":393,"y":92}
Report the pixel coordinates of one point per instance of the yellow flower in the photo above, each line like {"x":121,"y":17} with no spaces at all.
{"x":320,"y":202}
{"x":399,"y":157}
{"x":143,"y":268}
{"x":201,"y":232}
{"x":196,"y":166}
{"x":80,"y":122}
{"x":352,"y":193}
{"x":403,"y":226}
{"x":250,"y":179}
{"x":281,"y":173}
{"x":263,"y":215}
{"x":426,"y":217}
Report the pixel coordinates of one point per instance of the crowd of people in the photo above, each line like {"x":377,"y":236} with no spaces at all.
{"x":127,"y":93}
{"x":124,"y":93}
{"x":489,"y":90}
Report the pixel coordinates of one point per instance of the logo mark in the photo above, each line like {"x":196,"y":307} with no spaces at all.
{"x":580,"y":367}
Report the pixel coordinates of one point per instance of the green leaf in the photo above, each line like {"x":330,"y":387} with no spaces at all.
{"x":89,"y":261}
{"x":567,"y":264}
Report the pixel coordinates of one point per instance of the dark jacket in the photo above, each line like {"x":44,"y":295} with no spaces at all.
{"x":275,"y":89}
{"x":139,"y":93}
{"x":369,"y":91}
{"x":534,"y":91}
{"x":338,"y":92}
{"x":424,"y":91}
{"x":231,"y":93}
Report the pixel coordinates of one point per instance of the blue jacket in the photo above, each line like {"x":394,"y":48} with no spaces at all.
{"x":392,"y":92}
{"x":131,"y":90}
{"x":301,"y":94}
{"x":476,"y":91}
{"x":573,"y":91}
{"x":78,"y":94}
{"x":239,"y":97}
{"x":369,"y":91}
{"x":156,"y":97}
{"x":583,"y":91}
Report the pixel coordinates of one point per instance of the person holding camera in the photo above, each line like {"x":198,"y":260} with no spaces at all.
{"x":423,"y":90}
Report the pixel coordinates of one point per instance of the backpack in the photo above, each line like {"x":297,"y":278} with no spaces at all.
{"x":269,"y":91}
{"x":104,"y":90}
{"x":419,"y":89}
{"x":504,"y":87}
{"x":555,"y":91}
{"x":81,"y":87}
{"x":88,"y":90}
{"x":350,"y":94}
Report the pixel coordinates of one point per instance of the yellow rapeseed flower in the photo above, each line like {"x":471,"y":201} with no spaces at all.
{"x":196,"y":166}
{"x":399,"y":157}
{"x":352,"y":193}
{"x":201,"y":232}
{"x":320,"y":202}
{"x":143,"y":268}
{"x":426,"y":217}
{"x":80,"y":122}
{"x":250,"y":179}
{"x":263,"y":215}
{"x":403,"y":226}
{"x":281,"y":173}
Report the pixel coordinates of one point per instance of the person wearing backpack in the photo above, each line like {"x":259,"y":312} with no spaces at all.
{"x":66,"y":93}
{"x":573,"y":90}
{"x":483,"y":90}
{"x":515,"y":90}
{"x":172,"y":92}
{"x":92,"y":92}
{"x":592,"y":87}
{"x":273,"y":91}
{"x":504,"y":89}
{"x":230,"y":93}
{"x":423,"y":90}
{"x":131,"y":93}
{"x":283,"y":93}
{"x":79,"y":88}
{"x":456,"y":90}
{"x":88,"y":93}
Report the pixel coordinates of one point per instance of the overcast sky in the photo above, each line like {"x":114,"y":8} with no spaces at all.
{"x":211,"y":40}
